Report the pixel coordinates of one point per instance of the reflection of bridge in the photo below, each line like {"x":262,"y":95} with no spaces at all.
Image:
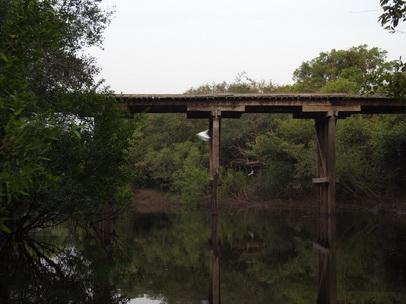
{"x":325,"y":109}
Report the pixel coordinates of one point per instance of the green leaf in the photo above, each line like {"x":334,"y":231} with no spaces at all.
{"x":4,"y":57}
{"x":18,"y":111}
{"x":4,"y":227}
{"x":77,"y":134}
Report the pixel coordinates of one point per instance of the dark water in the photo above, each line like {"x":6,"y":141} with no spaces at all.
{"x":164,"y":258}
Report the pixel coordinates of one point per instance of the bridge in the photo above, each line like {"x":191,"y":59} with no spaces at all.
{"x":325,"y":109}
{"x":233,"y":105}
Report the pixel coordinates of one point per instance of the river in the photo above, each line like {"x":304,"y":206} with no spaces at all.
{"x":163,"y":257}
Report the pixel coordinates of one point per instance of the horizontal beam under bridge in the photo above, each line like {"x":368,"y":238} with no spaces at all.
{"x":233,"y":105}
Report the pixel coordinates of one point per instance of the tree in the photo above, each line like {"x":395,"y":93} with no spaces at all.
{"x":393,"y":83}
{"x":341,"y":71}
{"x":362,"y":141}
{"x":242,"y":84}
{"x":393,"y":12}
{"x":61,"y":139}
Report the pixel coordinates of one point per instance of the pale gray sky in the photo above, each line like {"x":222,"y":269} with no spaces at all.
{"x":169,"y":46}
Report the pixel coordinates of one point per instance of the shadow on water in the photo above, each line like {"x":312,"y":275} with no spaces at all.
{"x":164,"y":258}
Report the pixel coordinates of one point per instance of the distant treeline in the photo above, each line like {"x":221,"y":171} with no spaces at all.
{"x":267,"y":156}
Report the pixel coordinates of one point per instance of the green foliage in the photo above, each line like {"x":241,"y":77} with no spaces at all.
{"x":180,"y":168}
{"x":44,"y":39}
{"x":274,"y":181}
{"x":62,"y":142}
{"x":169,"y":155}
{"x":361,"y":160}
{"x":190,"y":180}
{"x":97,"y":170}
{"x":391,"y":148}
{"x":341,"y":85}
{"x":242,"y":84}
{"x":393,"y":12}
{"x":341,"y":71}
{"x":370,"y":155}
{"x":269,"y":155}
{"x":393,"y":83}
{"x":289,"y":151}
{"x":3,"y":219}
{"x":23,"y":152}
{"x":234,"y":184}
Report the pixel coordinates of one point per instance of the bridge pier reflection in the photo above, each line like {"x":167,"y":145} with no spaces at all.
{"x":326,"y":260}
{"x":214,"y":274}
{"x":326,"y":190}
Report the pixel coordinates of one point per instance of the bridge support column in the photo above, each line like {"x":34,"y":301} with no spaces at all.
{"x":326,"y":158}
{"x":215,"y":126}
{"x":326,"y":191}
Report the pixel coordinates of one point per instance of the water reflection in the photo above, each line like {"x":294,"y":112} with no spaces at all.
{"x":164,"y":258}
{"x":51,"y":269}
{"x":326,"y":260}
{"x":146,"y":300}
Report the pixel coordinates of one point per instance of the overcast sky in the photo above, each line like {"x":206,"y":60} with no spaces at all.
{"x":169,"y":46}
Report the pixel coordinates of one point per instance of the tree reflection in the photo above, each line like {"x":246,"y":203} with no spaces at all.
{"x":268,"y":258}
{"x":33,"y":271}
{"x":263,"y":259}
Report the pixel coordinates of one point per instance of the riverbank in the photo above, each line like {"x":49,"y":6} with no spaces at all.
{"x":151,"y":201}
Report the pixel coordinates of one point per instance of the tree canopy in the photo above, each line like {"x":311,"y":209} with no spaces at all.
{"x":61,"y":139}
{"x":341,"y":71}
